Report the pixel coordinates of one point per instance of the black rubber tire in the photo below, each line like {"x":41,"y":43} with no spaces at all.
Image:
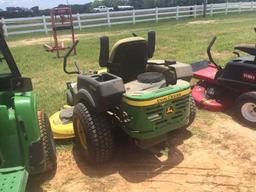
{"x":249,"y":97}
{"x":97,"y":146}
{"x":192,"y":107}
{"x":49,"y":149}
{"x":192,"y":113}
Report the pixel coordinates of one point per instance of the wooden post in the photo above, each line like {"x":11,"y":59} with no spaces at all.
{"x":226,"y":8}
{"x":4,"y":27}
{"x":211,"y":9}
{"x":156,"y":14}
{"x":45,"y":24}
{"x":108,"y":16}
{"x":240,"y":7}
{"x":177,"y":13}
{"x":79,"y":21}
{"x":195,"y":11}
{"x":133,"y":16}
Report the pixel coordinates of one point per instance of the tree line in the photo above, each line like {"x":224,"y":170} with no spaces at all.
{"x":140,"y":4}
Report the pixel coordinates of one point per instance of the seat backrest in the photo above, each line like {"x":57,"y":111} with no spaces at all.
{"x":247,"y":49}
{"x":128,"y":58}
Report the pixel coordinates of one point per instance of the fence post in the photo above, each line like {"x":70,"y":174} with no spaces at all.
{"x":156,"y":14}
{"x":211,"y":9}
{"x":133,"y":16}
{"x":195,"y":11}
{"x":240,"y":7}
{"x":108,"y":16}
{"x":79,"y":21}
{"x":177,"y":13}
{"x":226,"y":9}
{"x":251,"y":5}
{"x":45,"y":25}
{"x":4,"y":27}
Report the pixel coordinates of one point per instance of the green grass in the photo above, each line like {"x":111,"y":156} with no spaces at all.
{"x":175,"y":40}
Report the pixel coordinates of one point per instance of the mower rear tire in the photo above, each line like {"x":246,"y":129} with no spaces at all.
{"x":49,"y":149}
{"x":192,"y":107}
{"x":94,"y":137}
{"x":246,"y":109}
{"x":192,"y":112}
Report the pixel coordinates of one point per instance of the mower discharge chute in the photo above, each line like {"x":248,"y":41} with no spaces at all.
{"x":234,"y":85}
{"x":26,"y":144}
{"x":147,"y":99}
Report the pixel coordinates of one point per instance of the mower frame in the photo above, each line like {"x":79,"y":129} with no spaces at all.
{"x":102,"y":105}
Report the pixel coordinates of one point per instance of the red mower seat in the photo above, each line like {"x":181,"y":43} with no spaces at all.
{"x":208,"y":74}
{"x":199,"y":95}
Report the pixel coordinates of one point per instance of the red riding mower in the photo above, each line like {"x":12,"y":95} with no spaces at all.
{"x":234,"y":85}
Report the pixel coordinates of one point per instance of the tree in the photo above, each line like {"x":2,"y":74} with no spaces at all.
{"x":205,"y":7}
{"x":109,"y":3}
{"x":137,"y":4}
{"x":149,"y":3}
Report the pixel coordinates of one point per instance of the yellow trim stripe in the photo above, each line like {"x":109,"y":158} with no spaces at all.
{"x":158,"y":100}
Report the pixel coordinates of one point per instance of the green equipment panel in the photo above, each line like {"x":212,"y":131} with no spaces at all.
{"x":152,"y":114}
{"x":13,"y":179}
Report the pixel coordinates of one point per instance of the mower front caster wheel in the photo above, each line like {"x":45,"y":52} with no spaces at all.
{"x":94,"y":137}
{"x":246,"y":109}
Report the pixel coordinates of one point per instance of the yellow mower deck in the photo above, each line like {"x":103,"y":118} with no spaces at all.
{"x":60,"y":130}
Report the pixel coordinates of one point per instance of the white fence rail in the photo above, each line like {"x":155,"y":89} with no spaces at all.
{"x":43,"y":24}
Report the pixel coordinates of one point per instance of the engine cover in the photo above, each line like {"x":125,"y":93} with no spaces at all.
{"x":239,"y":74}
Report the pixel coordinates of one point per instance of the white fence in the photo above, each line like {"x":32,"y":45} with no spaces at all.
{"x":43,"y":24}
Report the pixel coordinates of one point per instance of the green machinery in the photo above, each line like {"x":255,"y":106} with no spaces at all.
{"x":147,"y":99}
{"x":26,"y":142}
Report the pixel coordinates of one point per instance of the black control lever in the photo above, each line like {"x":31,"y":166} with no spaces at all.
{"x":66,"y":59}
{"x":210,"y":54}
{"x":236,"y":53}
{"x":134,"y":35}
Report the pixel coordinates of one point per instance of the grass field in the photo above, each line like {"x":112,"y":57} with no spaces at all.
{"x":182,"y":40}
{"x":215,"y":154}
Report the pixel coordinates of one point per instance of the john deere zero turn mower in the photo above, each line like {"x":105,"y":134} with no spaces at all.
{"x":234,"y":85}
{"x":144,"y":98}
{"x":26,"y":143}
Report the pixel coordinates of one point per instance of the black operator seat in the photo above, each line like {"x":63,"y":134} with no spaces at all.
{"x":247,"y":49}
{"x":128,"y":58}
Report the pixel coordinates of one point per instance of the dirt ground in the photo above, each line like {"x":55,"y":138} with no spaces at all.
{"x":200,"y":22}
{"x":214,"y":154}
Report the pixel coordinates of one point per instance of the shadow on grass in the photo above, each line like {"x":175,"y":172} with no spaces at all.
{"x":136,"y":165}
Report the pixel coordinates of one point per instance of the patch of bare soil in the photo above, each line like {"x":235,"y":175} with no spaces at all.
{"x":43,"y":40}
{"x":214,"y":154}
{"x":201,"y":22}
